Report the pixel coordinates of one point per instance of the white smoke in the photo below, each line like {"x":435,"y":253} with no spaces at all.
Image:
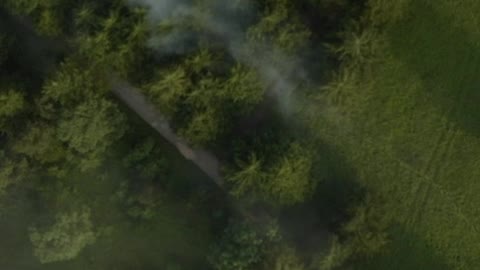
{"x":277,"y":71}
{"x":162,"y":9}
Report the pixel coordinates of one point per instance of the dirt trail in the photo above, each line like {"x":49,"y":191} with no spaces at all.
{"x":134,"y":99}
{"x":314,"y":237}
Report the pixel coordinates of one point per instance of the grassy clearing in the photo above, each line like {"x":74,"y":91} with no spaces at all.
{"x":406,"y":113}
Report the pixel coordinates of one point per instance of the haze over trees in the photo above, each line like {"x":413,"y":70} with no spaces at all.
{"x":346,"y":132}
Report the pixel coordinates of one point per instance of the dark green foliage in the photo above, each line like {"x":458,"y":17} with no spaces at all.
{"x":203,"y":103}
{"x":244,"y":245}
{"x":235,"y":78}
{"x":281,"y":27}
{"x":101,"y":124}
{"x":5,"y":44}
{"x":364,"y":236}
{"x":12,"y":171}
{"x":13,"y":102}
{"x":40,"y":145}
{"x":146,"y":158}
{"x":12,"y":105}
{"x":283,"y":257}
{"x":285,"y":181}
{"x":65,"y":239}
{"x":145,"y":204}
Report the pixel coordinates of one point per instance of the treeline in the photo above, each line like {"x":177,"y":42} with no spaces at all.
{"x":235,"y":78}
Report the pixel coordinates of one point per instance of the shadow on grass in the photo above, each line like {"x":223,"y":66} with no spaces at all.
{"x":310,"y":225}
{"x":444,"y":56}
{"x":405,"y":251}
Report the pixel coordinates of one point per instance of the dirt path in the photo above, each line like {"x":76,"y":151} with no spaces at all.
{"x":311,"y":235}
{"x":134,"y":99}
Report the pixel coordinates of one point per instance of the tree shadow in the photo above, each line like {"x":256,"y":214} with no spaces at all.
{"x":444,"y":56}
{"x":310,"y":225}
{"x":32,"y":56}
{"x":406,"y":250}
{"x":325,"y":19}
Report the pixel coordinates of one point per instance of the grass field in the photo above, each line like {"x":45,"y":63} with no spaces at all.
{"x":406,"y":113}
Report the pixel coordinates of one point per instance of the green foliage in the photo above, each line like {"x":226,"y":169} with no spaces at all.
{"x":48,"y":14}
{"x":144,"y":205}
{"x":65,"y":126}
{"x":284,"y":258}
{"x":280,"y":27}
{"x":85,"y":18}
{"x":336,"y":258}
{"x":368,"y":229}
{"x":365,"y":235}
{"x":50,"y":23}
{"x":147,"y":158}
{"x":245,"y":88}
{"x":73,"y":83}
{"x":12,"y":103}
{"x":291,"y":180}
{"x":359,"y":48}
{"x":286,"y":181}
{"x":100,"y":123}
{"x":12,"y":171}
{"x":169,"y":90}
{"x":39,"y":143}
{"x":244,"y":245}
{"x":65,"y":239}
{"x":204,"y":128}
{"x":5,"y":44}
{"x":202,"y":101}
{"x":248,"y":178}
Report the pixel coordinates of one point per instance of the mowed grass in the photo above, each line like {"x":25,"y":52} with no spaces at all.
{"x":408,"y":118}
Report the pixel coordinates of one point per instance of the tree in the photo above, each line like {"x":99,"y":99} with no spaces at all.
{"x":12,"y":171}
{"x":65,"y":239}
{"x":244,"y":245}
{"x":147,"y":158}
{"x":290,"y":180}
{"x":50,"y":22}
{"x":364,"y":236}
{"x":336,"y":257}
{"x":169,"y":90}
{"x":90,"y":129}
{"x":11,"y":103}
{"x":284,"y":257}
{"x":284,"y":181}
{"x":367,"y":230}
{"x":248,"y":178}
{"x":48,"y":15}
{"x":244,"y":89}
{"x":72,"y":84}
{"x":281,"y":28}
{"x":39,"y":143}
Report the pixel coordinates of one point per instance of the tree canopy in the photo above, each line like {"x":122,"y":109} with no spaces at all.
{"x":95,"y":186}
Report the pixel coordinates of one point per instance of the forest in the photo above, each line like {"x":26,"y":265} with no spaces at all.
{"x":239,"y":135}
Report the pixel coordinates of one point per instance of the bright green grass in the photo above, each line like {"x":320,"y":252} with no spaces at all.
{"x":410,"y":127}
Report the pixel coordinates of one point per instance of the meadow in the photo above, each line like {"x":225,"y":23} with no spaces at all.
{"x":404,"y":109}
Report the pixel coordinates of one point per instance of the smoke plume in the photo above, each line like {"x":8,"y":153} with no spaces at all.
{"x":227,"y":20}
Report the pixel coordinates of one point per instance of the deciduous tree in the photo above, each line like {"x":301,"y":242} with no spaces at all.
{"x":64,"y":239}
{"x":90,"y":129}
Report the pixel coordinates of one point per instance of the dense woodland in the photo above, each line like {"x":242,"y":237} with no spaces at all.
{"x":274,"y":88}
